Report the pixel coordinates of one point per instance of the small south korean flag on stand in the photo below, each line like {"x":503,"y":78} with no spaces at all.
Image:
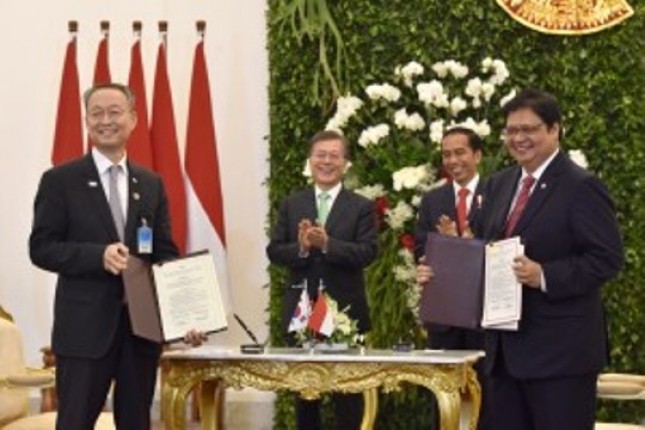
{"x":302,"y":312}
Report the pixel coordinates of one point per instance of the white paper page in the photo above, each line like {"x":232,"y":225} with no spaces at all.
{"x":502,"y":292}
{"x":189,"y":296}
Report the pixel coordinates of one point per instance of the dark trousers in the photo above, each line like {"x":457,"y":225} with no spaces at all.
{"x":557,"y":403}
{"x":348,"y":408}
{"x":82,"y":384}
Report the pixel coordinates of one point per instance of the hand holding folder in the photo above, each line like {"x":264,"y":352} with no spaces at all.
{"x":454,"y":294}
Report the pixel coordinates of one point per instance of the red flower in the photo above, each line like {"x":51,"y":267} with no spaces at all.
{"x":382,"y":204}
{"x":407,"y":241}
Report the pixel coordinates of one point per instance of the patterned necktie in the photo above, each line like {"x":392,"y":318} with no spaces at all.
{"x":462,"y":209}
{"x":115,"y":201}
{"x":520,"y":204}
{"x":323,"y":207}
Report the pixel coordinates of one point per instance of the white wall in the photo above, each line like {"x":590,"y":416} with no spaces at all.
{"x":33,"y":38}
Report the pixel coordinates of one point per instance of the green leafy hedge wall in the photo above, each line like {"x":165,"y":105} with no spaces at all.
{"x":598,"y":79}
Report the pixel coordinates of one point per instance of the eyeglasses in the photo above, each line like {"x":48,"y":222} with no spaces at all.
{"x":333,"y":156}
{"x":112,"y":115}
{"x":524,"y":129}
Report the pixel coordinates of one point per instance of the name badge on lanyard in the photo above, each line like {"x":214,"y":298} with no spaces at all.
{"x":144,"y":238}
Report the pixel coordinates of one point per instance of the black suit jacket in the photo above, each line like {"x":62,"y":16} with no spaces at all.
{"x":435,"y":203}
{"x":352,"y":246}
{"x":71,"y":228}
{"x":569,"y":227}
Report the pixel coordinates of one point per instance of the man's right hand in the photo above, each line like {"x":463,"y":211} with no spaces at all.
{"x":115,"y":258}
{"x":424,"y":272}
{"x":303,"y":229}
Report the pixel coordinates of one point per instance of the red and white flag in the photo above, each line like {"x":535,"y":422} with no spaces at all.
{"x":206,"y":229}
{"x":102,"y":64}
{"x":139,"y":146}
{"x":321,"y":320}
{"x":165,"y":152}
{"x":68,"y":134}
{"x":302,"y":313}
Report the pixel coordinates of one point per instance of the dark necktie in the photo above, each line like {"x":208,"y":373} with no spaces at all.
{"x":462,"y":209}
{"x":115,"y":201}
{"x":520,"y":204}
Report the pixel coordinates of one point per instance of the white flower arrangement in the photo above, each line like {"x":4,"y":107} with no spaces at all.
{"x":372,"y":135}
{"x":398,"y":123}
{"x":345,"y":328}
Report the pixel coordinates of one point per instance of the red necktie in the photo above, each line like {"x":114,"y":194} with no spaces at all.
{"x":520,"y":204}
{"x":462,"y":209}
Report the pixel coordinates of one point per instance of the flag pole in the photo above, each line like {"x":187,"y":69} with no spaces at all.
{"x":105,"y":28}
{"x":163,"y":33}
{"x":137,"y":27}
{"x":72,"y":26}
{"x":201,"y":29}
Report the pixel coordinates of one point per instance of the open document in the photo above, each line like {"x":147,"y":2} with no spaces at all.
{"x":167,"y":300}
{"x":473,"y":283}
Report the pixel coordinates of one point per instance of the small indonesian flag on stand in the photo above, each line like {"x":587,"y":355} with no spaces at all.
{"x":302,"y":312}
{"x":321,"y":320}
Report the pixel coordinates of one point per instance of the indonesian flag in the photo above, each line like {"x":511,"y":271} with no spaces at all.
{"x":206,"y":228}
{"x":139,"y":145}
{"x":165,"y":152}
{"x":301,"y":314}
{"x":321,"y":320}
{"x":101,"y":69}
{"x":68,"y":135}
{"x":102,"y":65}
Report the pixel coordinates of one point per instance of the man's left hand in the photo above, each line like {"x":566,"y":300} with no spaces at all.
{"x":527,"y":271}
{"x":195,"y":337}
{"x":317,"y":236}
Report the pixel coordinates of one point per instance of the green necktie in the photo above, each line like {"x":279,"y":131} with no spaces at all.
{"x":323,"y":207}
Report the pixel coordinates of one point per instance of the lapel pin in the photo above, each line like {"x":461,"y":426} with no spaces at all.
{"x":136,"y":196}
{"x":542,"y":186}
{"x":479,"y":201}
{"x":92,"y":184}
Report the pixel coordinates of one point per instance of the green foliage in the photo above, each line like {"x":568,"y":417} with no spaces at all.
{"x":599,"y":80}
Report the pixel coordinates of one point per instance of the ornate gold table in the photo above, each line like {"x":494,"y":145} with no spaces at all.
{"x":449,"y":374}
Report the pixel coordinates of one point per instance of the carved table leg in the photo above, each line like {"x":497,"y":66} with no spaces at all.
{"x":174,"y":406}
{"x":474,"y":393}
{"x":449,"y":408}
{"x":211,"y":405}
{"x":370,"y":401}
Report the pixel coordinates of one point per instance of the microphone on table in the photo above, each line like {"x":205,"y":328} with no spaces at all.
{"x":249,"y":348}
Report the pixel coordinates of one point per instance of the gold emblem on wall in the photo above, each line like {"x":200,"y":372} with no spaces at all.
{"x":568,"y":17}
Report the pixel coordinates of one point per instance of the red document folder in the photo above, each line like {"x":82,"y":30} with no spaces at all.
{"x":453,"y":296}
